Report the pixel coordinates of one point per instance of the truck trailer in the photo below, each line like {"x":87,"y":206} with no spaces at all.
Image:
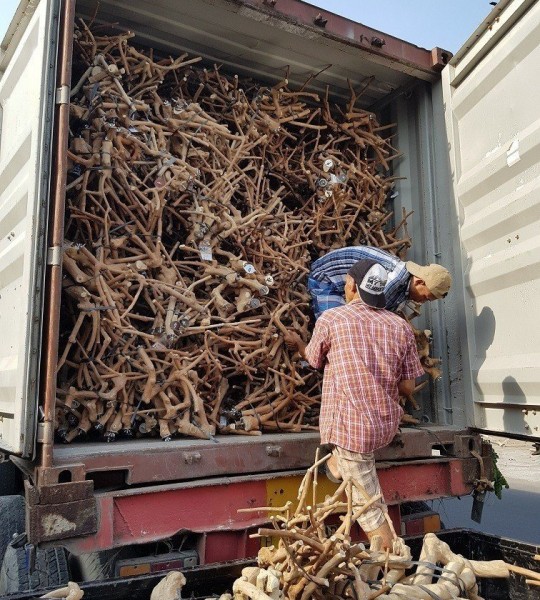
{"x":466,"y":125}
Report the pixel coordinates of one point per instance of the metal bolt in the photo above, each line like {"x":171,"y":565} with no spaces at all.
{"x":320,"y":21}
{"x":378,"y":42}
{"x":327,"y":165}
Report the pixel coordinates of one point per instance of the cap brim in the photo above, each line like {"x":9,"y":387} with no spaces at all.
{"x":373,"y":300}
{"x":414,"y":268}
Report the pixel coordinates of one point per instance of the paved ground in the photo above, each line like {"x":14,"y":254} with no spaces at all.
{"x":517,"y":515}
{"x":517,"y":463}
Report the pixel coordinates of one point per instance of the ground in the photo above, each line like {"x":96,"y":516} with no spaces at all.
{"x":517,"y":463}
{"x":516,"y":515}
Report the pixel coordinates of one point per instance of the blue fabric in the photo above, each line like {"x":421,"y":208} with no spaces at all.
{"x":324,"y":296}
{"x":326,"y":281}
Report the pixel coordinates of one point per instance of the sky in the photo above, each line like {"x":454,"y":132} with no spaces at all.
{"x":426,"y":23}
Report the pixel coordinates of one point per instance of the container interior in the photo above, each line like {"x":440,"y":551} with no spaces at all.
{"x":254,"y":43}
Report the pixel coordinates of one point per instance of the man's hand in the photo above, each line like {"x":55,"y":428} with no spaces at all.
{"x":293,"y":341}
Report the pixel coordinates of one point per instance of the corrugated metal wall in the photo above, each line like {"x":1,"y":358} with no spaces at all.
{"x":492,"y":96}
{"x":25,"y":96}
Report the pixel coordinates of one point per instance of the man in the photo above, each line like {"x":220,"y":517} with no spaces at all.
{"x":406,"y":280}
{"x":369,"y":357}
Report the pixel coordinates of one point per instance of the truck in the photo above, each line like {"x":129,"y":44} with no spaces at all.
{"x":466,"y":125}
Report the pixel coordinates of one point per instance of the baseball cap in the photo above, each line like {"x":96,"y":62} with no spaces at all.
{"x":370,"y":278}
{"x":437,"y":279}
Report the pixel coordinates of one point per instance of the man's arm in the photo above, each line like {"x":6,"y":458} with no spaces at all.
{"x":295,"y":343}
{"x":411,"y":367}
{"x":395,"y":290}
{"x":316,"y":350}
{"x":319,"y":345}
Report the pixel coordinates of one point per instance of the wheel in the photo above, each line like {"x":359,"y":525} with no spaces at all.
{"x":10,"y":479}
{"x":12,"y":511}
{"x":51,"y":570}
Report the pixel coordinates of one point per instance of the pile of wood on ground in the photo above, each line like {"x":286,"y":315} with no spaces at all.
{"x":314,"y":556}
{"x":196,"y":202}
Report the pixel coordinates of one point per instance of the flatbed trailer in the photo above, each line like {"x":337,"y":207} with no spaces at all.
{"x":205,"y":500}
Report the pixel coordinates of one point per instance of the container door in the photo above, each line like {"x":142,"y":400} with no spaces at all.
{"x":492,"y":100}
{"x":27,"y":98}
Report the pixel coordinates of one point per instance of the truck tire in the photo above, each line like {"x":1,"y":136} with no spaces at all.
{"x":10,"y":479}
{"x":51,"y":570}
{"x":12,"y":511}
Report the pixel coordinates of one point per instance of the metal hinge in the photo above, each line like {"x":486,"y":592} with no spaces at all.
{"x":44,"y":432}
{"x":54,"y":256}
{"x":62,"y":94}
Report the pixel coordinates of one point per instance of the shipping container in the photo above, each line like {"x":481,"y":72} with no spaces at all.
{"x":467,"y":128}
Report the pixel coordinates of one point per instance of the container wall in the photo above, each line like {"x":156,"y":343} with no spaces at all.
{"x":423,"y":190}
{"x":491,"y":94}
{"x":26,"y":99}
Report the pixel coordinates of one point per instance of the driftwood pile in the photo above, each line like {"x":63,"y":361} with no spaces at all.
{"x":315,"y":557}
{"x":196,"y":202}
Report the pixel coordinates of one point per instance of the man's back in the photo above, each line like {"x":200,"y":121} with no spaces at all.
{"x":326,"y":280}
{"x":333,"y":266}
{"x":367,"y":352}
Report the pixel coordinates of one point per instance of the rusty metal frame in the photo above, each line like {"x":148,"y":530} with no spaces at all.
{"x":154,"y":513}
{"x":153,"y":461}
{"x":190,"y":486}
{"x":365,"y":38}
{"x":61,"y":501}
{"x":53,"y":283}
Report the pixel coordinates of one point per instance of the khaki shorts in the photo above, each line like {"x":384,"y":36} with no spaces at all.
{"x":361,"y":468}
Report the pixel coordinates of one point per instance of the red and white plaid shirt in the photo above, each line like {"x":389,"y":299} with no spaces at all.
{"x":365,"y":353}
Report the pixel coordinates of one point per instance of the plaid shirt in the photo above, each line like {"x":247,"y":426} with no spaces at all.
{"x":326,"y":281}
{"x":365,"y":354}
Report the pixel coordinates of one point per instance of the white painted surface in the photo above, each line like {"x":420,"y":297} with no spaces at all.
{"x":492,"y":95}
{"x":23,"y":98}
